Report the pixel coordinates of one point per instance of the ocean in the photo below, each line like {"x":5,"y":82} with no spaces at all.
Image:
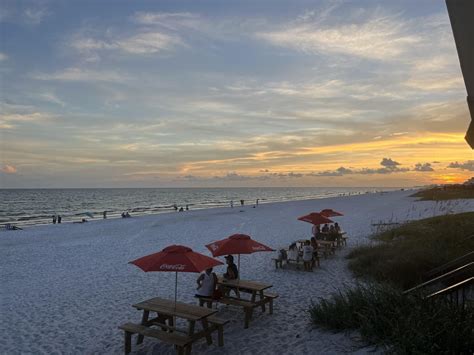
{"x":24,"y":207}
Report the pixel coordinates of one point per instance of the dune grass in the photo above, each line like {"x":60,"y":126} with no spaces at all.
{"x":405,"y":253}
{"x":446,"y":192}
{"x":402,"y":324}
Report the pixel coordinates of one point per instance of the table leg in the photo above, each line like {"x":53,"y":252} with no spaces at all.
{"x":261,"y":300}
{"x":145,"y":323}
{"x":205,"y":327}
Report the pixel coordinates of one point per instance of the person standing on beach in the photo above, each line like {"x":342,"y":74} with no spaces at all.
{"x":59,"y":218}
{"x":256,"y":203}
{"x":104,"y":214}
{"x":308,"y":256}
{"x":241,"y":202}
{"x":231,"y":203}
{"x":54,"y":219}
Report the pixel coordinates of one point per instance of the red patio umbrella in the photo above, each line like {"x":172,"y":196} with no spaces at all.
{"x":315,"y":218}
{"x":237,"y":244}
{"x":328,"y":212}
{"x":176,"y":258}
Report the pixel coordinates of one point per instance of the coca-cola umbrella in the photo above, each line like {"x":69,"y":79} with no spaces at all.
{"x":176,"y":258}
{"x":237,"y":244}
{"x":328,"y":212}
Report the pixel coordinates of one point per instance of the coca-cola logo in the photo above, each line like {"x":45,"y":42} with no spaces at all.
{"x":175,"y":267}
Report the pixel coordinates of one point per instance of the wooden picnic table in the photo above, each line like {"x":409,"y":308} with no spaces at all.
{"x":258,"y":297}
{"x":167,"y":311}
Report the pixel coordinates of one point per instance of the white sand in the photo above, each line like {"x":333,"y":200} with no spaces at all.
{"x":65,"y":288}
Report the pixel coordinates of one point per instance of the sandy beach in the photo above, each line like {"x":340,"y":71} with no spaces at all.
{"x":66,"y":288}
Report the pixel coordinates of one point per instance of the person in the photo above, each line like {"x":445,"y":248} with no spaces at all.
{"x":181,"y":209}
{"x":293,"y":254}
{"x":104,"y":214}
{"x":123,"y":215}
{"x":317,"y":231}
{"x":242,"y":202}
{"x":325,"y":228}
{"x":187,"y":207}
{"x":207,"y":285}
{"x":231,"y":203}
{"x":54,"y":219}
{"x":257,"y":202}
{"x":308,"y":256}
{"x":232,"y":272}
{"x":175,"y":206}
{"x":127,"y":215}
{"x":59,"y":218}
{"x":337,"y":227}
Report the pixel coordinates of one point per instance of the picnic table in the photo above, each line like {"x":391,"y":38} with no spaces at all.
{"x":166,"y":313}
{"x":258,"y":296}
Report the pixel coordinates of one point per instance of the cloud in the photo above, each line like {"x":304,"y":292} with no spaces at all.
{"x":50,"y":97}
{"x":35,"y":16}
{"x":423,"y":167}
{"x":78,"y":74}
{"x":3,"y":57}
{"x":467,"y":165}
{"x":379,"y":37}
{"x":171,"y":21}
{"x":338,"y":172}
{"x":8,"y":169}
{"x":389,"y":163}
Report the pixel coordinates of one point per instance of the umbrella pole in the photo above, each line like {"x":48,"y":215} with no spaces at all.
{"x":175,"y":289}
{"x":238,"y":276}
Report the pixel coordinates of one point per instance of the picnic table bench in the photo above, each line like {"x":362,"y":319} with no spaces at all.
{"x":256,"y":290}
{"x":167,"y":311}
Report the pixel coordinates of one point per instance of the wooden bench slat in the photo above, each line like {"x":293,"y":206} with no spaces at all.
{"x":170,"y":338}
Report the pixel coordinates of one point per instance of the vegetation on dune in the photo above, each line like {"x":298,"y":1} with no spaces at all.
{"x":403,"y":324}
{"x":406,"y":253}
{"x":446,"y":192}
{"x":397,"y":260}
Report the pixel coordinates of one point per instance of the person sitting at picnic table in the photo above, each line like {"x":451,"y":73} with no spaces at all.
{"x":337,"y":227}
{"x":325,"y":228}
{"x":207,"y":285}
{"x":308,"y":256}
{"x":317,"y":231}
{"x":232,"y":272}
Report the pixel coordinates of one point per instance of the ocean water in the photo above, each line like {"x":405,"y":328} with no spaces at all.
{"x":37,"y":206}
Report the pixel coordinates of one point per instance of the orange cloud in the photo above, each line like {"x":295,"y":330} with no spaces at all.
{"x":9,"y":169}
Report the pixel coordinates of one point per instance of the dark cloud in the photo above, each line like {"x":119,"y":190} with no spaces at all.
{"x":423,"y":167}
{"x":389,"y":163}
{"x":338,"y":172}
{"x":467,"y":165}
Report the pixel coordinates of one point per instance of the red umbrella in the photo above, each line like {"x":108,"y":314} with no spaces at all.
{"x":315,"y":218}
{"x":236,"y":244}
{"x":176,"y":258}
{"x":328,"y":212}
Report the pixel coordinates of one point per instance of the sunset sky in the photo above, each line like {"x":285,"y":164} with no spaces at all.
{"x":230,"y":93}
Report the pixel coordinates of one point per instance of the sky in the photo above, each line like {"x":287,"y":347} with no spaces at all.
{"x":230,"y":93}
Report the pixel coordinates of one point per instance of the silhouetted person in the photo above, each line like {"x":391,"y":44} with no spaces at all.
{"x":59,"y":218}
{"x":241,"y":202}
{"x":104,"y":214}
{"x":54,"y":219}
